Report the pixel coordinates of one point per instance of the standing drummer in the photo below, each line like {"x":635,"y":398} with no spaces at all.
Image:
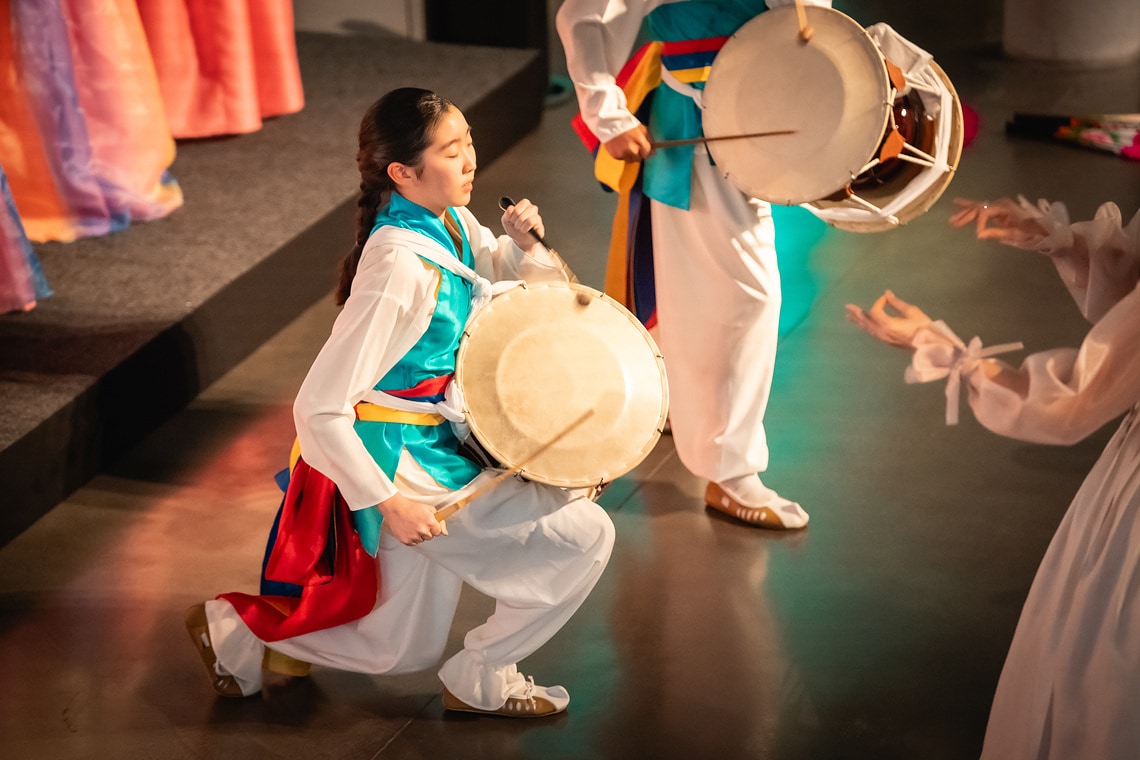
{"x":714,"y":285}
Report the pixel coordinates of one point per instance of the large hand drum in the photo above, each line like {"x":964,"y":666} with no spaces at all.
{"x":878,"y":126}
{"x":536,"y":359}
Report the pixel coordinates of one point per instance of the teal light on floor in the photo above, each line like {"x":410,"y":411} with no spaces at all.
{"x":798,"y":233}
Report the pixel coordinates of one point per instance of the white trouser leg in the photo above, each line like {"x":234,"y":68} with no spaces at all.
{"x":407,"y":630}
{"x":533,"y":601}
{"x":718,"y":311}
{"x":535,"y":549}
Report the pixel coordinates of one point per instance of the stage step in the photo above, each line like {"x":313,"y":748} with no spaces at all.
{"x":144,"y":319}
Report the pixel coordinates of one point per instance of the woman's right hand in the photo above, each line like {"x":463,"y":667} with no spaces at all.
{"x":630,"y":145}
{"x":895,"y":330}
{"x":411,"y":522}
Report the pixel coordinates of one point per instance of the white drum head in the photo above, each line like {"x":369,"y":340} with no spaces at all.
{"x":536,"y":358}
{"x":833,"y":90}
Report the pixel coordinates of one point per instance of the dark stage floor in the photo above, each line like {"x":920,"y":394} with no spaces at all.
{"x":878,"y":632}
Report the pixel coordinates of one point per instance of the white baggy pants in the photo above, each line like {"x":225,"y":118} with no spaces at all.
{"x":535,"y":549}
{"x":718,"y":317}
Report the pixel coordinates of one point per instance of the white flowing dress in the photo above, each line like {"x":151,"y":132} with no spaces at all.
{"x":1070,"y":687}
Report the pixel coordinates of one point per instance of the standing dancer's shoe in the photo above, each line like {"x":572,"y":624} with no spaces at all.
{"x":750,"y":501}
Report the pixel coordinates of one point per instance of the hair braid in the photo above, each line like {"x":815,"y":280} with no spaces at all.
{"x":397,"y":128}
{"x":369,"y":202}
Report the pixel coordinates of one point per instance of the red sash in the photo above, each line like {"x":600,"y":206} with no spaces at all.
{"x":317,"y":549}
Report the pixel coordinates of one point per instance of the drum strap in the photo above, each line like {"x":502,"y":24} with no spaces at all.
{"x":481,"y":288}
{"x":685,"y":63}
{"x":451,"y":408}
{"x":676,"y":85}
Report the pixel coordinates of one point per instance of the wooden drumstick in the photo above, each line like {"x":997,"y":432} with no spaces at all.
{"x":505,"y":203}
{"x":445,"y":512}
{"x":705,"y":139}
{"x":805,"y":29}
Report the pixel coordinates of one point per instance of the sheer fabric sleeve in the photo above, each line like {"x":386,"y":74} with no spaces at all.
{"x":1058,"y":396}
{"x":1098,"y":260}
{"x":389,"y":309}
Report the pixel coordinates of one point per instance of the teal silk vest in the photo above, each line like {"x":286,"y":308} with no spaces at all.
{"x":673,"y":116}
{"x":423,"y":372}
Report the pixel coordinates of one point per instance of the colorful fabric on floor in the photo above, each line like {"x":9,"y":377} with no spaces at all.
{"x":315,"y":547}
{"x":84,"y":137}
{"x":1119,"y":135}
{"x":22,"y":281}
{"x":1112,"y":133}
{"x":223,"y":66}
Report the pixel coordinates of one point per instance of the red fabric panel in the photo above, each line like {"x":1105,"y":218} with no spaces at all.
{"x":316,"y":526}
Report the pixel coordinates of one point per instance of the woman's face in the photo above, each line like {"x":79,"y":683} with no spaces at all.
{"x":447,"y":173}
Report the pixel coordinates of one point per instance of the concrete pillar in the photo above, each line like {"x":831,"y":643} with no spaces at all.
{"x":1075,"y":31}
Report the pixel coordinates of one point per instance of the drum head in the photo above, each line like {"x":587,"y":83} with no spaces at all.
{"x":833,"y":90}
{"x":538,"y":357}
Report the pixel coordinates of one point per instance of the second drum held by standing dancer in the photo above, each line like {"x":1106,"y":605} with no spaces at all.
{"x":376,"y":442}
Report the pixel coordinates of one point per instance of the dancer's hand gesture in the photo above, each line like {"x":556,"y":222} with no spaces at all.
{"x":895,"y":329}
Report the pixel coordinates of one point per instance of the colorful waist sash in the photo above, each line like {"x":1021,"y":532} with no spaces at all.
{"x":376,"y":413}
{"x":690,"y":61}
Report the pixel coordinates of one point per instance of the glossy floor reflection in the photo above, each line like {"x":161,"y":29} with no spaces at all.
{"x":878,"y":632}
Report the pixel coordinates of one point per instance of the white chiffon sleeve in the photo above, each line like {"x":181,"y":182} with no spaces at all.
{"x":1066,"y":394}
{"x":1098,"y":260}
{"x":389,"y":309}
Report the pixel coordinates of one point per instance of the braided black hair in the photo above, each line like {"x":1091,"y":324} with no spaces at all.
{"x":397,"y":128}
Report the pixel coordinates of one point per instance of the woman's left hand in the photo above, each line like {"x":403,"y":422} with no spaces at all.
{"x":519,"y":220}
{"x":894,"y":330}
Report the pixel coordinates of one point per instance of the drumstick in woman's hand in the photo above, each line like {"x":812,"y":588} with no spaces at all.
{"x":443,"y":513}
{"x":805,"y":29}
{"x":505,"y":203}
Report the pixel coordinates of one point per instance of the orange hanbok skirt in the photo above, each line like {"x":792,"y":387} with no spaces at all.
{"x":83,"y":133}
{"x":223,"y":65}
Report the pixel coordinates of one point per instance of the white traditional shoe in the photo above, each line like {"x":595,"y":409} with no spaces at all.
{"x":769,"y":511}
{"x":531,"y":702}
{"x":199,"y":630}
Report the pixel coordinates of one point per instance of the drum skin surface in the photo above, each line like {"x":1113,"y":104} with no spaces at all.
{"x":833,"y":90}
{"x":538,"y":357}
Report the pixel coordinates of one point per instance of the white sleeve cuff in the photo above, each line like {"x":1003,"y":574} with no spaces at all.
{"x":939,"y":352}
